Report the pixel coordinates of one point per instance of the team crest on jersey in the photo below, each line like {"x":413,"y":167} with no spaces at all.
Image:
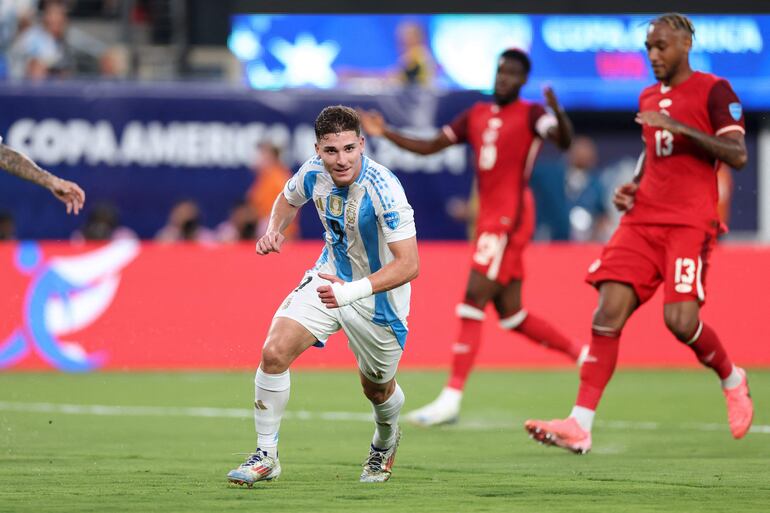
{"x":736,"y":110}
{"x":392,"y":219}
{"x":335,"y":205}
{"x":350,"y":213}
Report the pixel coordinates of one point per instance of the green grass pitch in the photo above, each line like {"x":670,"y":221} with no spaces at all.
{"x":164,"y":442}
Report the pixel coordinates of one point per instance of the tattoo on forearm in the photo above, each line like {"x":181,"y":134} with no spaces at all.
{"x":22,"y":166}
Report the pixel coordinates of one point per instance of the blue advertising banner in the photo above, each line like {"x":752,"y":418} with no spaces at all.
{"x":595,"y":61}
{"x":143,"y":148}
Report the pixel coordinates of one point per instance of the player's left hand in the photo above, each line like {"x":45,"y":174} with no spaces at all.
{"x":326,"y":293}
{"x":657,"y":119}
{"x":550,"y":98}
{"x":68,"y":193}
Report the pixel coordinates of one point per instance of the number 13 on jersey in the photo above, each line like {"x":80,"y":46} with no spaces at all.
{"x":664,"y":143}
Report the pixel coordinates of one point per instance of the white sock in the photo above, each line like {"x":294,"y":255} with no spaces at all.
{"x":386,"y":419}
{"x":733,"y":380}
{"x":450,"y":397}
{"x":584,"y":417}
{"x":271,"y":393}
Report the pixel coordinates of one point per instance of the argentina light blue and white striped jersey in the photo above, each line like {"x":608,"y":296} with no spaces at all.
{"x":359,"y":221}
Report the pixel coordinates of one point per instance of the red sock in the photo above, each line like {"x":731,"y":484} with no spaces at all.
{"x":598,"y":368}
{"x":543,"y":333}
{"x":709,"y":350}
{"x":465,"y":350}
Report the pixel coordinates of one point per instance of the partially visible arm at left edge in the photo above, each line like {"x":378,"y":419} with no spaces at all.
{"x":729,"y":147}
{"x":22,"y":166}
{"x":404,"y":267}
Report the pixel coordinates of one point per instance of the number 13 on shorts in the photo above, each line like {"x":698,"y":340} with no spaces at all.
{"x":687,"y":274}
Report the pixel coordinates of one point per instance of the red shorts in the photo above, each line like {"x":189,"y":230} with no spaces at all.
{"x":644,"y":256}
{"x":498,"y":253}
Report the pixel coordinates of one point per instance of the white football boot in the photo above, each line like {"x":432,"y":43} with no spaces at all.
{"x":378,"y":465}
{"x":444,"y":410}
{"x":257,"y":467}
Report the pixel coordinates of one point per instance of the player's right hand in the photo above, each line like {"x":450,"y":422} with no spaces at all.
{"x":623,"y":199}
{"x":270,"y":243}
{"x":68,"y":193}
{"x":372,"y":122}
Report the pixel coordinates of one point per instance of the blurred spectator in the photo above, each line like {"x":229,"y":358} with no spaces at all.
{"x":271,"y":175}
{"x":240,"y":226}
{"x":548,"y":186}
{"x":416,"y":63}
{"x":465,"y":210}
{"x":53,"y":49}
{"x":571,"y":197}
{"x":585,"y":194}
{"x":184,"y":224}
{"x":102,"y":223}
{"x":15,"y":17}
{"x":7,"y":227}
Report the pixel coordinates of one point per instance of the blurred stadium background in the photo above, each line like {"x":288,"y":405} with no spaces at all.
{"x":179,"y":117}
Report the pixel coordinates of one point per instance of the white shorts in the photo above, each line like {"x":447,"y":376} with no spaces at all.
{"x":375,"y":347}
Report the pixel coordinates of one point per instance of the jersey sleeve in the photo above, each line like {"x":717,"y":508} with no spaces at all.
{"x":299,"y":188}
{"x":457,"y":130}
{"x":725,"y":110}
{"x":395,"y":215}
{"x":540,"y":120}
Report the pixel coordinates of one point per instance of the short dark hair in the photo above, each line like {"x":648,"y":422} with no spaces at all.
{"x":518,"y":55}
{"x":676,"y":21}
{"x":335,"y":119}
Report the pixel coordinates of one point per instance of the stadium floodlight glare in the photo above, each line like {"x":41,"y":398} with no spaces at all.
{"x":472,"y":66}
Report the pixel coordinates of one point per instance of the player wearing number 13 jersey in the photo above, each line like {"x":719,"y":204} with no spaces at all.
{"x":690,"y":121}
{"x":505,"y":136}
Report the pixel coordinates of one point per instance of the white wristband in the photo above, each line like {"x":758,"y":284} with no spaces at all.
{"x":351,"y":291}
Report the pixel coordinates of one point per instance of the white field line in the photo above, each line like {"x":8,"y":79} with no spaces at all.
{"x":338,"y":416}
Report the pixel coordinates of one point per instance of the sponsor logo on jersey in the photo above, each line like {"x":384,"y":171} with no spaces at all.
{"x":335,"y":205}
{"x":392,"y":219}
{"x":736,"y":110}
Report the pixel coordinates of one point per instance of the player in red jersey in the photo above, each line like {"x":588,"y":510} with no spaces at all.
{"x":506,"y":136}
{"x":690,"y":121}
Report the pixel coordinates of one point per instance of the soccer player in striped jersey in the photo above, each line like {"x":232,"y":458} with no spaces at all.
{"x":359,"y":284}
{"x":505,"y":135}
{"x":691,"y":121}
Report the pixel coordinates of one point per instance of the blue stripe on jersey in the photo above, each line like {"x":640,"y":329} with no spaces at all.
{"x":364,"y":166}
{"x":336,"y":227}
{"x":384,"y":315}
{"x":382,"y":187}
{"x":309,"y":183}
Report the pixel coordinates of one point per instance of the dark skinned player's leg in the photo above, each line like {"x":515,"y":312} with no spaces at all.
{"x":514,"y":317}
{"x":617,"y":301}
{"x":446,"y":407}
{"x":683,"y":320}
{"x":478,"y":292}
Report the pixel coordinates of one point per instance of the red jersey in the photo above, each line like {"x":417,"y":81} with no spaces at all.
{"x":505,"y":141}
{"x":679,"y":185}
